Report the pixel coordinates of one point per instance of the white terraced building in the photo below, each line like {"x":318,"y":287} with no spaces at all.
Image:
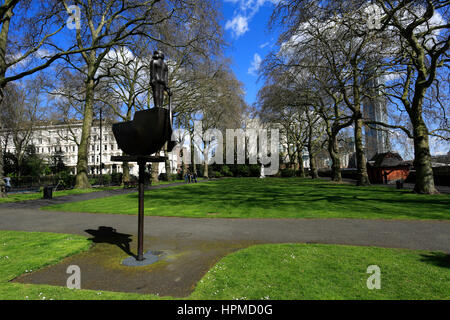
{"x":51,"y":138}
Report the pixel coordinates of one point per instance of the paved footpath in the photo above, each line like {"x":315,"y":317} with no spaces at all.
{"x":426,"y":235}
{"x":411,"y":234}
{"x":39,"y":203}
{"x":194,"y":245}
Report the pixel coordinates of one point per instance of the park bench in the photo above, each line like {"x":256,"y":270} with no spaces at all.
{"x":130,"y":184}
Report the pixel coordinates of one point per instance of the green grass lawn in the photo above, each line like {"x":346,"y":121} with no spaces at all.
{"x":305,"y":271}
{"x":22,"y":252}
{"x":273,"y":198}
{"x":286,"y":271}
{"x":16,"y":197}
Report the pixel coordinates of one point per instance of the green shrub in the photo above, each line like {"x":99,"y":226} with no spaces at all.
{"x":286,"y":173}
{"x":163,"y":176}
{"x":298,"y":173}
{"x":107,"y":179}
{"x":67,"y":180}
{"x":216,"y":174}
{"x":242,"y":170}
{"x":226,"y":171}
{"x":255,"y":170}
{"x":116,"y":178}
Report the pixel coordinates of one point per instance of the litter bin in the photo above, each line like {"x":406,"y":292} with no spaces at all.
{"x":48,"y":192}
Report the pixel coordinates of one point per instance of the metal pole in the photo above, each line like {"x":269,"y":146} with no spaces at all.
{"x":140,"y":256}
{"x":101,"y":140}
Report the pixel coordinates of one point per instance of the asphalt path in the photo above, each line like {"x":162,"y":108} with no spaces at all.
{"x":411,"y":234}
{"x":197,"y":244}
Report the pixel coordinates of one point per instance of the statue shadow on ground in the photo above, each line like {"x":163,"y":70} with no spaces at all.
{"x":439,"y":259}
{"x":111,"y":236}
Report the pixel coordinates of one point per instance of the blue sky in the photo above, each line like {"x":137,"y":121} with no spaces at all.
{"x":245,"y":24}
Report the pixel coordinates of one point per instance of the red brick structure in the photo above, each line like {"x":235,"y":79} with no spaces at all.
{"x":387,"y":168}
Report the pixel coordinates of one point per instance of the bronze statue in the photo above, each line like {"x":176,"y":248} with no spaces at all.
{"x":150,"y":129}
{"x":145,"y":135}
{"x":159,"y":78}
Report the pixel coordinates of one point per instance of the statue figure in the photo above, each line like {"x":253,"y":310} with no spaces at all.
{"x":159,"y":78}
{"x":263,"y":175}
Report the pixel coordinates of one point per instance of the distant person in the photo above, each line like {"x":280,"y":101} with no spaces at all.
{"x":186,"y":177}
{"x":7,"y":184}
{"x":194,"y":176}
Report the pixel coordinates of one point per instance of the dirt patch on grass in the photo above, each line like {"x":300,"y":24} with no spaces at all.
{"x":185,"y":262}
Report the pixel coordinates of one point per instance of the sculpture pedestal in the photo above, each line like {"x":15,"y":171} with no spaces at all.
{"x":141,"y":161}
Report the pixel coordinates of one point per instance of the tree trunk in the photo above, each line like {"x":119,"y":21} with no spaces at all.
{"x":336,"y":161}
{"x":422,"y":157}
{"x":125,"y":173}
{"x":301,"y":168}
{"x":154,"y":172}
{"x":194,"y":165}
{"x":362,"y":176}
{"x":206,"y":171}
{"x":82,"y":181}
{"x":206,"y":159}
{"x":184,"y":168}
{"x":312,"y":157}
{"x":313,"y":167}
{"x":167,"y":164}
{"x":3,"y":43}
{"x":2,"y":183}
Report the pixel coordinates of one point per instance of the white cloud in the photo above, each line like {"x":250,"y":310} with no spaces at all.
{"x":438,"y":146}
{"x":40,"y":54}
{"x":244,"y":13}
{"x":264,"y":45}
{"x":252,"y":4}
{"x":256,"y":63}
{"x":239,"y":25}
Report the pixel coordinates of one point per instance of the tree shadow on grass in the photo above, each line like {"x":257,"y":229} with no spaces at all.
{"x":110,"y":235}
{"x":439,"y":259}
{"x":385,"y":202}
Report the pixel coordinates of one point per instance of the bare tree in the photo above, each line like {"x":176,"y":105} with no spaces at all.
{"x":422,"y":30}
{"x":417,"y":48}
{"x":281,"y":103}
{"x":106,"y":24}
{"x":20,"y":113}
